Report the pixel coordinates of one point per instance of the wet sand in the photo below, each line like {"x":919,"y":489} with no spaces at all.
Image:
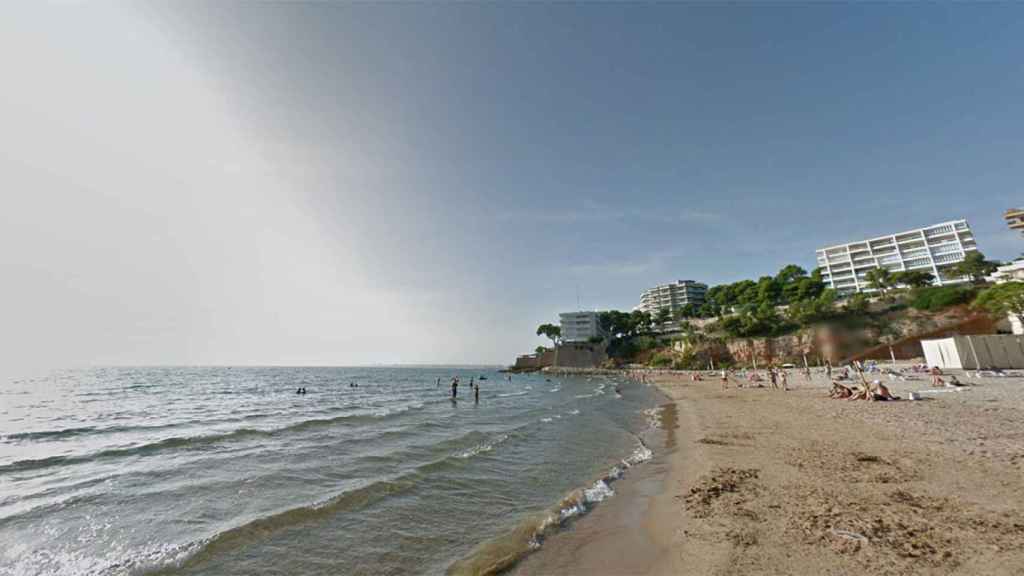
{"x":756,"y":481}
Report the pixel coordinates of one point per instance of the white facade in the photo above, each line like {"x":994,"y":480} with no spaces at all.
{"x":1012,"y":272}
{"x":932,"y":249}
{"x":579,"y":326}
{"x":672,"y":296}
{"x":975,"y":352}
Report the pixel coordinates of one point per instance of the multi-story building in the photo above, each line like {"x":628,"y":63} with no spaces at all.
{"x":1015,"y":219}
{"x":672,"y":296}
{"x":933,"y":249}
{"x":580,"y":326}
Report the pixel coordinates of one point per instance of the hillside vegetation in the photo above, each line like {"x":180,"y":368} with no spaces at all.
{"x":793,"y":314}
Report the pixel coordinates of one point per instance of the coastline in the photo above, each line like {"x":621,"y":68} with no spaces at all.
{"x":756,"y":481}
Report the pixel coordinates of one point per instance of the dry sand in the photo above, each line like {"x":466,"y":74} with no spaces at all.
{"x":757,"y":481}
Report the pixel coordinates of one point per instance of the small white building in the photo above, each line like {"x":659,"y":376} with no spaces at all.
{"x":580,"y":326}
{"x":1012,"y":272}
{"x":975,"y":352}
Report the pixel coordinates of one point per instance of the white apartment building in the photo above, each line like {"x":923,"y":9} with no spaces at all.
{"x":579,"y":326}
{"x":931,"y":249}
{"x":672,"y":296}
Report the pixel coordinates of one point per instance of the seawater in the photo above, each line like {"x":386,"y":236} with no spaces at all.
{"x":226,"y":471}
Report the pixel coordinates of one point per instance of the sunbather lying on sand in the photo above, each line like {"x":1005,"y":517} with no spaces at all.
{"x":840,"y":391}
{"x":882,"y":393}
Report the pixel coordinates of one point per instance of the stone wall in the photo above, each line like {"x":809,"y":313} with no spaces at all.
{"x":568,"y":355}
{"x":579,"y":355}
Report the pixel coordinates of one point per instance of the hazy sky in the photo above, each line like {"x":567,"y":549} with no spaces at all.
{"x":216,"y":183}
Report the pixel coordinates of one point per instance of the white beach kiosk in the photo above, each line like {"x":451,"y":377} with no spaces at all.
{"x":975,"y":352}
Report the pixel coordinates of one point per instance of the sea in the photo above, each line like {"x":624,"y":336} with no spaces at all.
{"x":230,"y":471}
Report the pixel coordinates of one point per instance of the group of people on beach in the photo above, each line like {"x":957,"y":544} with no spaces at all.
{"x":778,"y":378}
{"x":874,"y":390}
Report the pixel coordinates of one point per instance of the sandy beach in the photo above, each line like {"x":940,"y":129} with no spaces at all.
{"x":758,"y":481}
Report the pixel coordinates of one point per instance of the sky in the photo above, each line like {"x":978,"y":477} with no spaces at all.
{"x":347,"y":184}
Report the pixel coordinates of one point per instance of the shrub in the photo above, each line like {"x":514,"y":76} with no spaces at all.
{"x":645,"y":342}
{"x":857,"y":304}
{"x":661,"y":360}
{"x":938,"y":297}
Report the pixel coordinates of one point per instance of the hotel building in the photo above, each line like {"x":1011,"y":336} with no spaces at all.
{"x":931,"y":249}
{"x":579,"y":326}
{"x":672,"y":296}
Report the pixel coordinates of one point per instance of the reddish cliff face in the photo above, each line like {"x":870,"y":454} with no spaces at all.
{"x":903,"y":330}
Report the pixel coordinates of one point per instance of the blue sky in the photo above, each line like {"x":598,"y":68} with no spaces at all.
{"x":427,"y":183}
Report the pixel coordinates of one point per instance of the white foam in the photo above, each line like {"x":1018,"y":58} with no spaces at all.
{"x":640,"y":454}
{"x":598,"y":492}
{"x":545,"y":419}
{"x":481,"y":448}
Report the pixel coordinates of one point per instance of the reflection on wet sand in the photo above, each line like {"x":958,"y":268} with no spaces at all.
{"x":668,"y":421}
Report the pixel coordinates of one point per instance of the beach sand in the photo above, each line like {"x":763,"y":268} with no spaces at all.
{"x":756,"y":481}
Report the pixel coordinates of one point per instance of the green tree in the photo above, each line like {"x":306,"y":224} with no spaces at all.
{"x":790,"y":273}
{"x":640,"y":321}
{"x":615,"y":323}
{"x":708,"y":310}
{"x":686,"y":311}
{"x":539,"y":350}
{"x":664,"y":316}
{"x":803,"y":289}
{"x":913,"y":278}
{"x":743,"y":292}
{"x":554,"y":333}
{"x":1003,"y":299}
{"x":813,"y":310}
{"x":769,"y":291}
{"x":880,"y":279}
{"x":974,"y":267}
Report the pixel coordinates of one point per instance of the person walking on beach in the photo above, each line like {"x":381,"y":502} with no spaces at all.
{"x":784,"y":379}
{"x":773,"y":377}
{"x":828,"y":369}
{"x":725,"y":379}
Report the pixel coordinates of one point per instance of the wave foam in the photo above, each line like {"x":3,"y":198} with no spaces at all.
{"x":498,"y":555}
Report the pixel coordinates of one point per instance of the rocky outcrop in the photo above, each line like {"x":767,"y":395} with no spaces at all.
{"x":841,"y":342}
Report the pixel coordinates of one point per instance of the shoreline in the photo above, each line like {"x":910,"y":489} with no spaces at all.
{"x":758,"y":481}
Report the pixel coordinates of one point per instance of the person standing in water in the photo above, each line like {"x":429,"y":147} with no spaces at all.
{"x":476,"y":394}
{"x":438,"y":384}
{"x":455,"y":387}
